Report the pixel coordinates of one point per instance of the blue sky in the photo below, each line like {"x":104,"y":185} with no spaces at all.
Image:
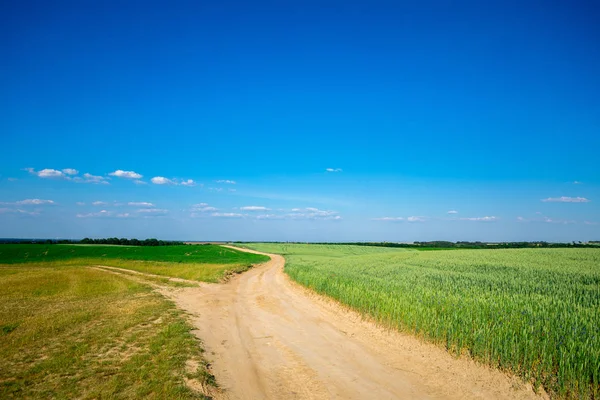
{"x":337,"y":121}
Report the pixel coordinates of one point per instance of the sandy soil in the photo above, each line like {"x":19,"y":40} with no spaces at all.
{"x":268,"y":338}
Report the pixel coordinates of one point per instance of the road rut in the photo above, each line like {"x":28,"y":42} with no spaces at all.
{"x":268,"y":338}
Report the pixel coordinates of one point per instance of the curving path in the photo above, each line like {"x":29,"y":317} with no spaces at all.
{"x":268,"y":338}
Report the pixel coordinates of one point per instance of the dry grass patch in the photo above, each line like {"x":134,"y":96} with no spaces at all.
{"x":72,"y":332}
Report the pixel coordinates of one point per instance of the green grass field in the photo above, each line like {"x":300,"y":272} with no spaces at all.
{"x":208,"y":263}
{"x":534,"y":312}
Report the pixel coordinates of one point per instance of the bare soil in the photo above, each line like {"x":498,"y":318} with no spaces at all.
{"x":266,"y":337}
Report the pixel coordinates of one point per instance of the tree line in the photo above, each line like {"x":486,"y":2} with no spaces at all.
{"x":131,"y":242}
{"x":113,"y":241}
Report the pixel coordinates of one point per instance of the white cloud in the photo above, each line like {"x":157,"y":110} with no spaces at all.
{"x":34,"y":202}
{"x":202,"y":208}
{"x":205,"y":209}
{"x":226,"y":181}
{"x":126,"y":174}
{"x":565,"y":199}
{"x":189,"y":182}
{"x":388,"y":219}
{"x":152,"y":210}
{"x":452,"y":212}
{"x":546,"y":219}
{"x":18,"y":211}
{"x":484,"y":219}
{"x":270,"y":216}
{"x":415,"y":219}
{"x":138,"y":182}
{"x":333,"y":169}
{"x":577,"y":183}
{"x":102,"y":213}
{"x":313,"y":213}
{"x":590,"y":223}
{"x":211,"y":189}
{"x":227,"y":215}
{"x":161,"y":180}
{"x":70,"y":171}
{"x":140,"y":204}
{"x":89,"y":178}
{"x":50,"y":173}
{"x":99,"y":203}
{"x":254,"y":208}
{"x":123,"y":215}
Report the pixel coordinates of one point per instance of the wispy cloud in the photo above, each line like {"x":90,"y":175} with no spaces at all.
{"x":565,"y":199}
{"x":333,"y":170}
{"x":102,"y":213}
{"x":153,"y":212}
{"x":590,"y":223}
{"x":548,"y":220}
{"x":400,"y":219}
{"x":138,"y":182}
{"x":313,"y":213}
{"x":161,"y":180}
{"x":80,"y":203}
{"x":89,"y":178}
{"x":200,"y":209}
{"x":212,"y":189}
{"x":189,"y":182}
{"x":4,"y":210}
{"x":126,"y":174}
{"x":70,"y":171}
{"x":99,"y":203}
{"x":226,"y":181}
{"x":254,"y":208}
{"x":227,"y":215}
{"x":270,"y":216}
{"x":577,"y":183}
{"x":482,"y":219}
{"x":205,"y":209}
{"x":140,"y":204}
{"x":34,"y":202}
{"x":452,"y":212}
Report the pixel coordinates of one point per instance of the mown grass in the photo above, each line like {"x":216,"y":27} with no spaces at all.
{"x":72,"y":332}
{"x":535,"y":312}
{"x":208,"y":263}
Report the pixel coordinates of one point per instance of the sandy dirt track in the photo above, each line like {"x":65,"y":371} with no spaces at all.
{"x":268,"y":338}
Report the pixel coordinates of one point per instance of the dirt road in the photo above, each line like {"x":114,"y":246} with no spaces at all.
{"x":268,"y":338}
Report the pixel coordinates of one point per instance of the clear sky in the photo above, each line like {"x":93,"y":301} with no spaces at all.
{"x":300,"y":120}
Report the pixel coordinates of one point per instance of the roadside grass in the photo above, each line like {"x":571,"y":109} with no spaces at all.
{"x":72,"y":332}
{"x":206,"y":263}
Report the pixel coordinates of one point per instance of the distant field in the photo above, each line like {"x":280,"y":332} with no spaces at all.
{"x":208,"y":263}
{"x":72,"y":332}
{"x":531,"y":311}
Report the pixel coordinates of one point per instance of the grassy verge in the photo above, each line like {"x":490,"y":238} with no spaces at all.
{"x":533,"y":312}
{"x":72,"y":332}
